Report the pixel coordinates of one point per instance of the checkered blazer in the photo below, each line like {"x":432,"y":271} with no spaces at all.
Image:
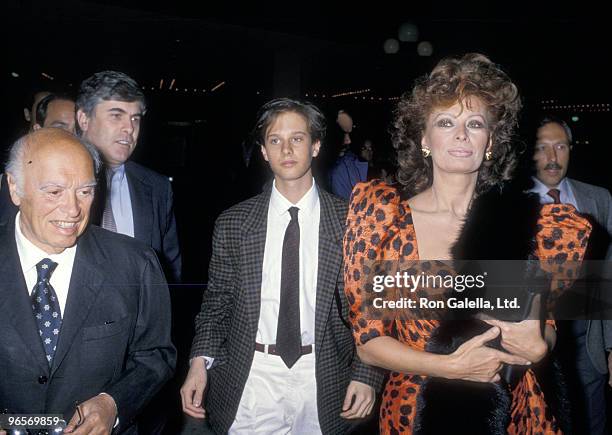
{"x":226,"y":326}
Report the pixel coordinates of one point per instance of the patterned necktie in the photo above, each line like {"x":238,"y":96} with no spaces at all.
{"x":555,"y":194}
{"x":288,"y":332}
{"x":46,"y":308}
{"x":108,"y":219}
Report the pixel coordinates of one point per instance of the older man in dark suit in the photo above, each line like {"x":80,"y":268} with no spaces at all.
{"x":85,"y":312}
{"x":271,"y":342}
{"x":588,"y":340}
{"x":133,"y":200}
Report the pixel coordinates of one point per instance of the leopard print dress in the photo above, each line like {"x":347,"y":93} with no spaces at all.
{"x":380,"y":228}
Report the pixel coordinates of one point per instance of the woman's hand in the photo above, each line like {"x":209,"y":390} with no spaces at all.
{"x":522,"y":339}
{"x":474,"y":361}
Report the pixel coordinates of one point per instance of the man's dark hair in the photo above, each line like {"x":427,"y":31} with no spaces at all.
{"x":43,"y":106}
{"x":105,"y":86}
{"x":551,"y":119}
{"x":315,"y":120}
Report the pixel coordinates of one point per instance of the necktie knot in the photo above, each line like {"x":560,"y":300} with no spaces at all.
{"x":293,"y":211}
{"x":45,"y":268}
{"x":110,"y":173}
{"x":555,"y":194}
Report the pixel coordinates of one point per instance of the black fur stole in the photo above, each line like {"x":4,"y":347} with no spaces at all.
{"x":501,"y":225}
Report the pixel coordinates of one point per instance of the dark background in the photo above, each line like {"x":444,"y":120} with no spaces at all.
{"x":195,"y":134}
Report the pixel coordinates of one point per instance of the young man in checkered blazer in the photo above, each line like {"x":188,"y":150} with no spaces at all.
{"x":272,"y":348}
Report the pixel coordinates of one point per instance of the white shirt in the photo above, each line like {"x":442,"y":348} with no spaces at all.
{"x":309,"y":215}
{"x":30,"y":255}
{"x":566,"y":196}
{"x":121,"y":202}
{"x":278,"y":219}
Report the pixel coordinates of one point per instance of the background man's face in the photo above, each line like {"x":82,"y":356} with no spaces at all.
{"x":58,"y":190}
{"x":60,"y":114}
{"x":113,"y":129}
{"x":552,"y":154}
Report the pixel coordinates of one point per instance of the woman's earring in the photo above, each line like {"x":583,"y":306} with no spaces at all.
{"x":488,"y":155}
{"x":426,"y":152}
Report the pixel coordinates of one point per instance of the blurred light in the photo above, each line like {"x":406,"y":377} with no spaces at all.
{"x":171,"y":179}
{"x":14,"y":74}
{"x":47,"y":76}
{"x":391,"y":46}
{"x":172,"y":83}
{"x":217,"y":86}
{"x":425,"y":48}
{"x":575,"y":118}
{"x":408,"y":32}
{"x":161,"y":83}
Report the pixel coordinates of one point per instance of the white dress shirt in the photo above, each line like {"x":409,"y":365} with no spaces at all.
{"x":30,"y":255}
{"x":278,"y":220}
{"x":309,"y":215}
{"x":566,"y":196}
{"x":121,"y":202}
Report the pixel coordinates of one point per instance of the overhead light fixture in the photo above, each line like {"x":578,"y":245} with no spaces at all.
{"x":161,"y":83}
{"x":14,"y":74}
{"x":172,"y":83}
{"x":47,"y":76}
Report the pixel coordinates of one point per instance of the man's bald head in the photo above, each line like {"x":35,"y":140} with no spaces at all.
{"x":42,"y":140}
{"x":51,"y":178}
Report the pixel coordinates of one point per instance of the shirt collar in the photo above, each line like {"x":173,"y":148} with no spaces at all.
{"x":542,"y":189}
{"x":306,"y":204}
{"x":119,"y":171}
{"x":30,"y":254}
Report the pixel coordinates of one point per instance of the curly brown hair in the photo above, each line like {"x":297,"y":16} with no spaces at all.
{"x":455,"y":80}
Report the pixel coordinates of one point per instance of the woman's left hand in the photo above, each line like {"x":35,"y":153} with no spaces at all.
{"x":523,"y":339}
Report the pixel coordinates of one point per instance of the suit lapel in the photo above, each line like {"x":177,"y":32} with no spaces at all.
{"x":14,"y":298}
{"x":253,"y":244}
{"x":141,"y":194}
{"x":330,"y":261}
{"x":586,"y":204}
{"x":85,"y":284}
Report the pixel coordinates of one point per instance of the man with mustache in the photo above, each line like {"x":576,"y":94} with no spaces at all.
{"x":587,"y":340}
{"x":134,"y":200}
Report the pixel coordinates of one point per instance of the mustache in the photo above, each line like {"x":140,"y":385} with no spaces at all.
{"x":553,"y":165}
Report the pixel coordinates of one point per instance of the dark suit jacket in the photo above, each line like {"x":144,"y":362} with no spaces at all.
{"x":597,"y":203}
{"x":115,"y":335}
{"x":226,"y":326}
{"x":153,"y":211}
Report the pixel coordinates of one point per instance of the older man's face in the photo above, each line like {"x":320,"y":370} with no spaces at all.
{"x":58,"y":189}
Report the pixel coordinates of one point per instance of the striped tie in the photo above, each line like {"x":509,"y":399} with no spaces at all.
{"x":108,"y":219}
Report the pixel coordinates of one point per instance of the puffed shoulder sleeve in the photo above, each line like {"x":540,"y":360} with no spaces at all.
{"x":371,"y":223}
{"x":562,"y":238}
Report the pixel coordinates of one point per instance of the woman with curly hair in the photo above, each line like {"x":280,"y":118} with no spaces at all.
{"x":454,"y":140}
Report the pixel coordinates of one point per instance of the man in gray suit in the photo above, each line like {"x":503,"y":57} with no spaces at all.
{"x":272,"y":344}
{"x":84,"y":313}
{"x":591,"y":338}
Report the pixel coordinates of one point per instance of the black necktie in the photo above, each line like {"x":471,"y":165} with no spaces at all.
{"x":288,"y":332}
{"x":46,"y":307}
{"x":555,"y":194}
